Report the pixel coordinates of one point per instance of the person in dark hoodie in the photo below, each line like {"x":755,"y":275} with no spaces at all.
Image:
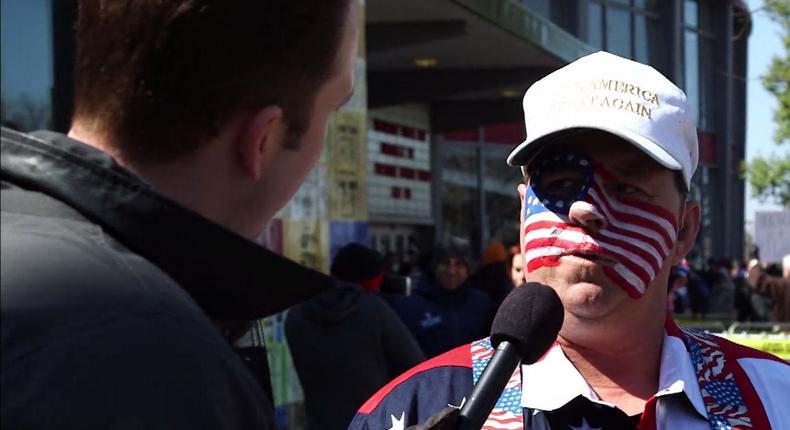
{"x":347,"y":342}
{"x":493,"y":275}
{"x":445,"y":310}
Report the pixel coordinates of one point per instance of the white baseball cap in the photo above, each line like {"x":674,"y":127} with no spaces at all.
{"x":605,"y":92}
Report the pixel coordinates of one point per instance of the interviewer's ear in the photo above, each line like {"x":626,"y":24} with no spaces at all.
{"x":688,"y":226}
{"x":257,"y":136}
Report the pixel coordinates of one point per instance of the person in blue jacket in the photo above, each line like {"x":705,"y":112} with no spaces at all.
{"x":445,"y":311}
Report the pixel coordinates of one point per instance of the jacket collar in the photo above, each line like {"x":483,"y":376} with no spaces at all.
{"x":229,"y":276}
{"x":430,"y":288}
{"x":554,"y":381}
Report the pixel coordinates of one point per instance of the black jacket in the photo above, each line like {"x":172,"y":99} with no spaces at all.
{"x":441,"y":320}
{"x":346,"y":344}
{"x":111,"y":296}
{"x":494,"y":280}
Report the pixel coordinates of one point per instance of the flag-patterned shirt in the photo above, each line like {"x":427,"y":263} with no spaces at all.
{"x":737,"y":386}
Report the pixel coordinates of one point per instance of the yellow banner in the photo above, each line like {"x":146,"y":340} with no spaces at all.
{"x":307,"y":243}
{"x":776,"y":346}
{"x":347,"y":166}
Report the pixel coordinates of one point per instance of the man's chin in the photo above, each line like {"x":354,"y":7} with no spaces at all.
{"x":585,"y":292}
{"x":592,"y":300}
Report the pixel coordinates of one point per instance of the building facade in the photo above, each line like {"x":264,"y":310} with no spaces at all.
{"x":418,"y":155}
{"x":464,"y":65}
{"x":444,"y":85}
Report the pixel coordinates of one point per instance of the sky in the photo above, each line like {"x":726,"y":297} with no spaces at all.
{"x":764,"y":43}
{"x":28,"y":21}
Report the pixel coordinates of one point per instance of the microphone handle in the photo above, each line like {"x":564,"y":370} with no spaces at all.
{"x":489,"y":387}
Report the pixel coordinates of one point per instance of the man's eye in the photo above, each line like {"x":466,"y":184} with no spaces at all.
{"x":628,"y":190}
{"x":561,"y":184}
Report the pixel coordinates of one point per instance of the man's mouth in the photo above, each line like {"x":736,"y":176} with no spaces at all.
{"x":594,"y":256}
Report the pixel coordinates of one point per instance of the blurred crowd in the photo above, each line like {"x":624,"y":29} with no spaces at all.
{"x":728,"y":290}
{"x":386,"y":316}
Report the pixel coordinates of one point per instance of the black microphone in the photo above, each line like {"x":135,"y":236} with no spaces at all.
{"x":525,"y":326}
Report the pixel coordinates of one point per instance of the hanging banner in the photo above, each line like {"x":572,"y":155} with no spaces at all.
{"x":309,"y":203}
{"x":307,"y":243}
{"x":285,"y":381}
{"x":347,"y":166}
{"x":772,"y":235}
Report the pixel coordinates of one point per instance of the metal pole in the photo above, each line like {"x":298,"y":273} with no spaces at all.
{"x":678,"y":54}
{"x":436,"y":186}
{"x":481,"y":192}
{"x":729,"y":120}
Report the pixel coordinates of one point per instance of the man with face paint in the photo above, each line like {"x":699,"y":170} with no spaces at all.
{"x":610,"y":152}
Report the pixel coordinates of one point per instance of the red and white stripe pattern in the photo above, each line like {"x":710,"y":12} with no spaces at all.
{"x":481,"y":353}
{"x":722,"y":397}
{"x":507,"y":413}
{"x":502,"y":419}
{"x":638,"y":235}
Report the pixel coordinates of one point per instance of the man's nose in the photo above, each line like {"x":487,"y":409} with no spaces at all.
{"x":587,"y":216}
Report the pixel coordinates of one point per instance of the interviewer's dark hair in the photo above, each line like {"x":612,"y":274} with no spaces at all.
{"x":160,"y":77}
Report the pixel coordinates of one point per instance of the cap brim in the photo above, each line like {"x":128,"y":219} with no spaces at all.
{"x":524,"y":152}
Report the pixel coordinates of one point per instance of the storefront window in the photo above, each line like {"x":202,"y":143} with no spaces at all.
{"x":691,"y":62}
{"x":501,"y":197}
{"x":706,"y":84}
{"x":701,"y":192}
{"x":459,"y":193}
{"x":628,"y":28}
{"x":595,"y":25}
{"x":643,"y":39}
{"x":700,"y":48}
{"x":618,"y":31}
{"x":540,"y":7}
{"x":27,"y":64}
{"x":690,"y":13}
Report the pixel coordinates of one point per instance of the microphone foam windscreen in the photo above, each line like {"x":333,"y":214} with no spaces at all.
{"x":530,"y":317}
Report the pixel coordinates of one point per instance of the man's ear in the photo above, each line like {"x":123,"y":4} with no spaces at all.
{"x":258,"y":135}
{"x":688,"y":226}
{"x":522,"y":196}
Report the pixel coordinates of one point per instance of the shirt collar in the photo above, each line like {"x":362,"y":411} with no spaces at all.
{"x":554,"y":381}
{"x":678,"y":373}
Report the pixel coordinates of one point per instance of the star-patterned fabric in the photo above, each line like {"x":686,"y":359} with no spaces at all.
{"x":723,"y":400}
{"x":507,"y":410}
{"x":706,"y":383}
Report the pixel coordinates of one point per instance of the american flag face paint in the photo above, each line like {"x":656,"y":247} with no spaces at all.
{"x":635,"y":236}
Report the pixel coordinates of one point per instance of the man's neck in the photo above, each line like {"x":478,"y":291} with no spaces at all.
{"x":197,"y":182}
{"x":620,"y":361}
